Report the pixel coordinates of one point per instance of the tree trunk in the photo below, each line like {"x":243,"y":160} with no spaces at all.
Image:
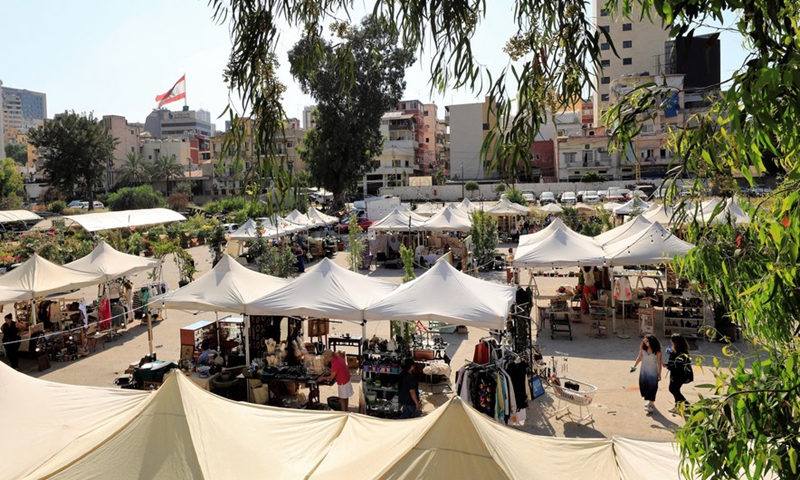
{"x":338,"y":200}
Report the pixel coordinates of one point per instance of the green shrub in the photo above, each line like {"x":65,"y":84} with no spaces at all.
{"x":134,"y":198}
{"x":57,"y":207}
{"x":178,"y":201}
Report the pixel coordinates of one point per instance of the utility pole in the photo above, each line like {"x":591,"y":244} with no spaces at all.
{"x":462,"y":179}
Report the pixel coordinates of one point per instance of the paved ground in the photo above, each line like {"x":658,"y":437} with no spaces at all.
{"x":617,"y":407}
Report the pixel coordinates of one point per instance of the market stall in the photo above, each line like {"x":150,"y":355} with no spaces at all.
{"x":427,"y":209}
{"x":321,"y":218}
{"x":95,"y":222}
{"x":508,"y":215}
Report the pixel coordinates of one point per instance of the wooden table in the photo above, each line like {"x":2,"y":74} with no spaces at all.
{"x":350,"y":341}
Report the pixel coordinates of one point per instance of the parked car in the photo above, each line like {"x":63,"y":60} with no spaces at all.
{"x":547,"y":197}
{"x":529,"y":197}
{"x":344,"y":225}
{"x":602,"y":195}
{"x":569,"y":198}
{"x":758,"y":191}
{"x":616,"y":194}
{"x":590,"y":196}
{"x":636,"y":193}
{"x":76,"y":204}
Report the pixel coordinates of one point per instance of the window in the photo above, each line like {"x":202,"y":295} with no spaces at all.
{"x":605,"y":80}
{"x":647,"y":128}
{"x":289,"y":144}
{"x":604,"y":46}
{"x":537,"y":157}
{"x":627,"y":61}
{"x":133,"y":150}
{"x":603,"y":12}
{"x":426,"y":113}
{"x":486,"y":126}
{"x":605,"y":63}
{"x":604,"y":28}
{"x":627,"y":27}
{"x":427,"y":140}
{"x":569,"y":158}
{"x":604,"y":97}
{"x":397,"y":163}
{"x":627,"y":44}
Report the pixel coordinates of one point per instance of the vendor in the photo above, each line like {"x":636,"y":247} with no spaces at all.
{"x":207,"y":352}
{"x":11,"y":339}
{"x":341,"y":374}
{"x":408,"y":392}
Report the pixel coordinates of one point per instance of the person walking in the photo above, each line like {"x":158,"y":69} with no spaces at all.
{"x":650,"y":374}
{"x":408,"y":392}
{"x":678,"y":363}
{"x":11,"y":339}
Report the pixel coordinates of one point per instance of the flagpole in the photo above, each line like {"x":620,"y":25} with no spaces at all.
{"x":185,"y":100}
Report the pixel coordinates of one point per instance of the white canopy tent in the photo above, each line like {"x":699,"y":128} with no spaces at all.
{"x":729,"y":210}
{"x":469,"y":301}
{"x":8,"y":295}
{"x":610,"y":206}
{"x":537,"y":237}
{"x":398,"y":221}
{"x":551,"y":208}
{"x":320,"y":218}
{"x":452,"y":218}
{"x":468,"y":206}
{"x":562,"y":247}
{"x":300,"y":219}
{"x":94,"y":222}
{"x":7,"y":216}
{"x":249,"y":231}
{"x":38,"y":277}
{"x":506,"y":208}
{"x":652,"y":246}
{"x":584,"y":209}
{"x":111,"y":264}
{"x":280,"y":225}
{"x":633,"y":205}
{"x":667,"y":215}
{"x":626,"y":230}
{"x":427,"y":209}
{"x":75,"y":432}
{"x":325,"y":290}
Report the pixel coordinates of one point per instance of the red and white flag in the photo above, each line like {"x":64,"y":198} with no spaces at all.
{"x":177,"y":92}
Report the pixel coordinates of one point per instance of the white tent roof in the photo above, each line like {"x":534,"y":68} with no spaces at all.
{"x":111,"y":264}
{"x":635,"y":204}
{"x":551,"y":208}
{"x":452,"y":218}
{"x":610,"y":206}
{"x":39,"y":277}
{"x":398,"y":221}
{"x":663,"y":214}
{"x":651,"y":246}
{"x":320,"y":218}
{"x":325,"y":290}
{"x":228,"y":287}
{"x":178,"y":431}
{"x":505,"y":208}
{"x":427,"y":209}
{"x":561,"y":248}
{"x":280,"y":225}
{"x":8,"y":295}
{"x":17,"y":216}
{"x":94,"y":222}
{"x":52,"y":422}
{"x":299,"y":218}
{"x":729,"y":209}
{"x":249,"y":231}
{"x":468,"y":206}
{"x":469,"y":301}
{"x":584,"y":207}
{"x":536,"y":237}
{"x":627,"y":229}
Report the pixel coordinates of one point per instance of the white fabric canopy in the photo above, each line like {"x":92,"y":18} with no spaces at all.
{"x":427,"y":209}
{"x":561,"y":248}
{"x":506,"y":208}
{"x":320,"y":218}
{"x":38,"y":277}
{"x":94,"y":222}
{"x":728,"y":210}
{"x":398,"y":221}
{"x":635,"y":204}
{"x":446,"y":295}
{"x":17,"y":216}
{"x":8,"y":295}
{"x":181,"y":430}
{"x":452,"y":218}
{"x":583,"y":207}
{"x":664,"y":215}
{"x":626,"y":230}
{"x":110,"y":263}
{"x":610,"y":206}
{"x":299,"y":218}
{"x":228,"y":287}
{"x":551,"y":208}
{"x":537,"y":237}
{"x":249,"y":231}
{"x":280,"y":225}
{"x":325,"y":290}
{"x":651,"y":246}
{"x":468,"y":206}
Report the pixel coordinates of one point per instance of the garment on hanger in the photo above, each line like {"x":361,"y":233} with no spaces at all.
{"x":84,"y":315}
{"x":104,"y":314}
{"x":144,"y":299}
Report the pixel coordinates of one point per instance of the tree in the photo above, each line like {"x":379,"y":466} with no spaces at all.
{"x":514,"y":195}
{"x":167,"y":169}
{"x":133,"y":198}
{"x":593,"y":177}
{"x":748,"y":425}
{"x":75,"y":150}
{"x":350,"y":101}
{"x":11,"y":184}
{"x":472,"y":187}
{"x":135,"y":171}
{"x":18,"y":152}
{"x":484,"y":238}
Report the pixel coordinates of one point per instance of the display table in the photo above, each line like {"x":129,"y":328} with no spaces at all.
{"x":640,"y":275}
{"x":203,"y":382}
{"x":312,"y":382}
{"x":347,"y":341}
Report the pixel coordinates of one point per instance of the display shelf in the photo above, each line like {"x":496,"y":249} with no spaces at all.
{"x":684,"y":314}
{"x":377,"y":368}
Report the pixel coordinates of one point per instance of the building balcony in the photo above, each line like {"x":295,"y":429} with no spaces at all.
{"x":400,"y":143}
{"x":589,"y":164}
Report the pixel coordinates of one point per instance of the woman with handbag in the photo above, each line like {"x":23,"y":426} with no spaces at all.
{"x":680,"y":369}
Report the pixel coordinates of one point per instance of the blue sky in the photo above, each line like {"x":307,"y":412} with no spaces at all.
{"x":111,"y":57}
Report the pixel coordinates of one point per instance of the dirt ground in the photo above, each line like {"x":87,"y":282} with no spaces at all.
{"x":617,"y":408}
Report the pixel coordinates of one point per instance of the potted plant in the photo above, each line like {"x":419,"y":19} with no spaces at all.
{"x":186,"y":267}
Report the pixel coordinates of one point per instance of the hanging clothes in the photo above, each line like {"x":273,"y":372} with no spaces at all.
{"x":104,"y":314}
{"x":84,"y":315}
{"x":144,"y":299}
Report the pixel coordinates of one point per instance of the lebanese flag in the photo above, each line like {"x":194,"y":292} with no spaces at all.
{"x":177,"y":92}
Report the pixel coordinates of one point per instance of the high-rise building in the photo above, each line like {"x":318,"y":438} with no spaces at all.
{"x":308,"y":118}
{"x":129,"y":140}
{"x":639,"y":44}
{"x":22,"y":110}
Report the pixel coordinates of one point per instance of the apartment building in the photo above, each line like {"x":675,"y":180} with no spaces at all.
{"x":21,"y":110}
{"x":129,"y":140}
{"x":469,"y":125}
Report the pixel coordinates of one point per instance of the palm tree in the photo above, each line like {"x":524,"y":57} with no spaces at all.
{"x":166,"y":169}
{"x":134,"y":171}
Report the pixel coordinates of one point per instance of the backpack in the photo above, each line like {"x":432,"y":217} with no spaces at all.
{"x":688,"y":376}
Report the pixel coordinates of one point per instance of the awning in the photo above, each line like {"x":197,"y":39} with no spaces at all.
{"x":17,"y":216}
{"x":95,"y":222}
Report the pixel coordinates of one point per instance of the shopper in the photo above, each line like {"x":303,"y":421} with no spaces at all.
{"x":678,"y":363}
{"x":650,"y":374}
{"x":206,"y":353}
{"x":589,"y":288}
{"x":341,"y":374}
{"x":298,"y":253}
{"x":11,"y":340}
{"x":408,"y":392}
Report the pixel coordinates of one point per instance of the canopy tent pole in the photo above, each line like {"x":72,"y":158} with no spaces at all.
{"x":614,"y":305}
{"x":150,"y":333}
{"x":247,"y":341}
